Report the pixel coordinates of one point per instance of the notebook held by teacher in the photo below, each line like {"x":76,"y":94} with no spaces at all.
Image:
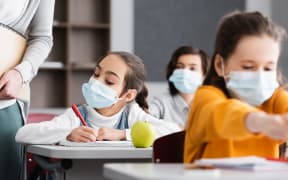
{"x":12,"y":48}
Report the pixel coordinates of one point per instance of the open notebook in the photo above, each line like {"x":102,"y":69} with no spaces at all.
{"x":253,"y":163}
{"x":97,"y":144}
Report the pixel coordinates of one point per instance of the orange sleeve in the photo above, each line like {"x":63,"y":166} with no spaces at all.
{"x":213,"y":116}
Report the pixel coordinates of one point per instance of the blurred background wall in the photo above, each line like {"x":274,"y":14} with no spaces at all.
{"x":159,"y":27}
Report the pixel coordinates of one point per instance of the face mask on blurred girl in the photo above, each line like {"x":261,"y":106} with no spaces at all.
{"x":252,"y":87}
{"x":186,"y":81}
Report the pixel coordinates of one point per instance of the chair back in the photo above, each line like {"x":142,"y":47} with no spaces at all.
{"x":169,"y":148}
{"x":34,"y":171}
{"x":39,"y":117}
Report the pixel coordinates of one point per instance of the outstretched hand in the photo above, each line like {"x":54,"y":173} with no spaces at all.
{"x":10,"y":84}
{"x":278,"y":128}
{"x":273,"y":126}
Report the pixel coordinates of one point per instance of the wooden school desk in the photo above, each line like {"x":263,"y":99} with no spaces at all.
{"x":149,"y":171}
{"x":87,"y":162}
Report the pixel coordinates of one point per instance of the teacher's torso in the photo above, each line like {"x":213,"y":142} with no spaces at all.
{"x":18,"y":15}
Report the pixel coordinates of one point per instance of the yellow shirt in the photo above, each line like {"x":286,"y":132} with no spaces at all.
{"x":219,"y":123}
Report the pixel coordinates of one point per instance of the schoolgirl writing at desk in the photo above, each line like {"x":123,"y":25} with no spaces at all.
{"x":241,"y":109}
{"x":116,"y":98}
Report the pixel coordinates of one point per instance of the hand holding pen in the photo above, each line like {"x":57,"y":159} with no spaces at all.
{"x":82,"y":133}
{"x":78,"y":114}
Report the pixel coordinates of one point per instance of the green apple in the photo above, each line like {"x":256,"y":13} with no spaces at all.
{"x":142,"y":134}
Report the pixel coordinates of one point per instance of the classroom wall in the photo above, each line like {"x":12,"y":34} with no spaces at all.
{"x":161,"y":26}
{"x":264,"y":6}
{"x":277,"y":11}
{"x":279,"y":15}
{"x":122,"y":25}
{"x":153,"y":30}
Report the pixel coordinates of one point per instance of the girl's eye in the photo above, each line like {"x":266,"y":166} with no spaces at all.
{"x":109,"y":82}
{"x":247,"y":67}
{"x":192,"y":68}
{"x":96,"y":75}
{"x":268,"y":69}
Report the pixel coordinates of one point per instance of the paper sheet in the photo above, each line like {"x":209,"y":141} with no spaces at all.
{"x":244,"y":163}
{"x":97,"y":143}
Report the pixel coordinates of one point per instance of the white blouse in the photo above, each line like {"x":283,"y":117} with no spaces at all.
{"x":11,"y":10}
{"x":169,"y":108}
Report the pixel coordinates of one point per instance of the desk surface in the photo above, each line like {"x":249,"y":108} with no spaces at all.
{"x":148,"y":171}
{"x":63,"y":152}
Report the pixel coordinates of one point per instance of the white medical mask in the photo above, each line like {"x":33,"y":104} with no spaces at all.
{"x":253,"y":87}
{"x":186,"y":81}
{"x":97,"y":95}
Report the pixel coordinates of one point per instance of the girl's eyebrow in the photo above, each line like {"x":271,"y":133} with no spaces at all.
{"x":247,"y":60}
{"x":190,"y":64}
{"x":108,"y":72}
{"x":271,"y":62}
{"x":251,"y":61}
{"x":112,"y":73}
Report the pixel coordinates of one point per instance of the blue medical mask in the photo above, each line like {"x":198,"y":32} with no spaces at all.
{"x":253,"y":87}
{"x":186,"y":81}
{"x":97,"y":95}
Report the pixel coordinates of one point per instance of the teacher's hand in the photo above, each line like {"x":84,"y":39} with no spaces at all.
{"x":10,"y":84}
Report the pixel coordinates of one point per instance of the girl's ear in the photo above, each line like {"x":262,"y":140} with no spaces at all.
{"x":218,"y":65}
{"x":130,"y":95}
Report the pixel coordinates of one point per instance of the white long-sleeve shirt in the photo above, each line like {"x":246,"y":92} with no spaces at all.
{"x":169,"y":108}
{"x":12,"y":10}
{"x":56,"y":130}
{"x":34,"y":19}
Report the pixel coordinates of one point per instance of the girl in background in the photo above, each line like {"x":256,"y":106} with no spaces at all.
{"x":241,"y":109}
{"x":184,"y":73}
{"x":116,"y":98}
